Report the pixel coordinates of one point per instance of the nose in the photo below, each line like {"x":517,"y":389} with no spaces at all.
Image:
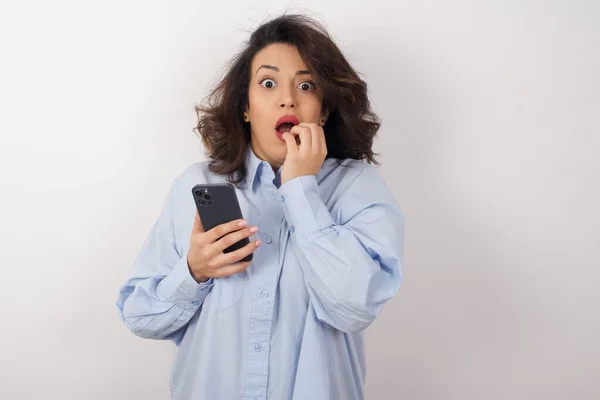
{"x":287,"y":100}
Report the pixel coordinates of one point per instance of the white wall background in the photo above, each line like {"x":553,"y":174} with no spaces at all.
{"x":490,"y":143}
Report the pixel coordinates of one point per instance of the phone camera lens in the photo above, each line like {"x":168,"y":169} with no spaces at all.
{"x":198,"y":193}
{"x":207,"y":197}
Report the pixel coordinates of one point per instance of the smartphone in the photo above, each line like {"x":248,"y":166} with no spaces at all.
{"x":217,"y":204}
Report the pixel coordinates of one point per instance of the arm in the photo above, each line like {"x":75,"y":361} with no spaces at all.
{"x":353,"y":268}
{"x":160,"y":296}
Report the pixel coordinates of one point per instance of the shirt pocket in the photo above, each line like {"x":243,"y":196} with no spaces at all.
{"x":227,"y":291}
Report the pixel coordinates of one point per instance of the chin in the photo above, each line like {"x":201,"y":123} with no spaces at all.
{"x":273,"y":150}
{"x":279,"y":156}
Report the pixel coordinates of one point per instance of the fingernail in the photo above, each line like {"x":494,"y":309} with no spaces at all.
{"x":254,"y":229}
{"x":258,"y":243}
{"x":242,"y":223}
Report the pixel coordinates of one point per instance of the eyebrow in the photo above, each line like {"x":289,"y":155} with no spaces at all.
{"x":271,"y":67}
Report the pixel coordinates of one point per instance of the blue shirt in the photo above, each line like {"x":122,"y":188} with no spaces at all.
{"x":291,"y":325}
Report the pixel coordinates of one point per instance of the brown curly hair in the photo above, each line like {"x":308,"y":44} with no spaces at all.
{"x":350,"y":128}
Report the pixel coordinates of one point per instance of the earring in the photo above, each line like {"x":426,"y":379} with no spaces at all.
{"x":322,"y":121}
{"x":246,"y":117}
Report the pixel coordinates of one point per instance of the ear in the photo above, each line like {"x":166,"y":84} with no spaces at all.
{"x":324,"y":116}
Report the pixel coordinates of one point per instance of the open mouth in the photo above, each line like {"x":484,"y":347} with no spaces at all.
{"x":285,"y":124}
{"x":285,"y":127}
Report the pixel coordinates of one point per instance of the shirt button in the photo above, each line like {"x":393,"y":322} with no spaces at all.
{"x":282,"y":199}
{"x":268,"y":239}
{"x":258,"y":347}
{"x":292,"y":229}
{"x":196,"y":303}
{"x":264,"y":293}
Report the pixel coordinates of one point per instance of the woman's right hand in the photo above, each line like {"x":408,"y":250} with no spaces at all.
{"x":205,"y":257}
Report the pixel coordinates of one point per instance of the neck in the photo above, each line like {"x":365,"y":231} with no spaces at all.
{"x":258,"y":152}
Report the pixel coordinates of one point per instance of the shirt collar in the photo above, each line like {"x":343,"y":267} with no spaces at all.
{"x":257,"y":169}
{"x":253,"y":165}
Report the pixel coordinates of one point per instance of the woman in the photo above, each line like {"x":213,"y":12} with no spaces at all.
{"x":290,"y":126}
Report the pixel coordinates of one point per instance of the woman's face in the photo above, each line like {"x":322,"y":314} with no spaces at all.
{"x":280,"y":85}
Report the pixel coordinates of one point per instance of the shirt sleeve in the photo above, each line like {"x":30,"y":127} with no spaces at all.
{"x":353,"y":267}
{"x":160,"y":296}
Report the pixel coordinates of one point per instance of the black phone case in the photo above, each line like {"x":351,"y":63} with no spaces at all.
{"x":217,"y":204}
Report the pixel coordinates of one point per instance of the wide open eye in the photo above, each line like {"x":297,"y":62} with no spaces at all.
{"x":268,"y":83}
{"x":306,"y":86}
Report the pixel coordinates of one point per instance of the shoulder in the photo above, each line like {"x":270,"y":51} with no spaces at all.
{"x":345,"y":173}
{"x":182,"y":201}
{"x":195,"y":170}
{"x":198,"y":172}
{"x":192,"y":175}
{"x":354,"y":185}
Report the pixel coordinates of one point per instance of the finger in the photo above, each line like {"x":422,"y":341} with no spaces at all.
{"x":233,"y":238}
{"x":197,"y":227}
{"x":290,"y":142}
{"x":306,"y":141}
{"x":237,"y":255}
{"x":297,"y":131}
{"x":316,"y":133}
{"x":232,"y":269}
{"x":221,"y":230}
{"x":305,"y":137}
{"x":323,"y":147}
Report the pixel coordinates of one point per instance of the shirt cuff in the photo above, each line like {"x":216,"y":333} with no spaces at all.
{"x":303,"y":207}
{"x":179,"y":286}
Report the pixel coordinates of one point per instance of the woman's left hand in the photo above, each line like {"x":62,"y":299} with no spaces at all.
{"x":307,"y":157}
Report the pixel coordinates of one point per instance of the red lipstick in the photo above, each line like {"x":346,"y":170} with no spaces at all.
{"x":286,"y":119}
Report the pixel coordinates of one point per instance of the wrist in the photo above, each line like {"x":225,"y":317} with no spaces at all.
{"x":289,"y":178}
{"x":197,"y":277}
{"x":200,"y":279}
